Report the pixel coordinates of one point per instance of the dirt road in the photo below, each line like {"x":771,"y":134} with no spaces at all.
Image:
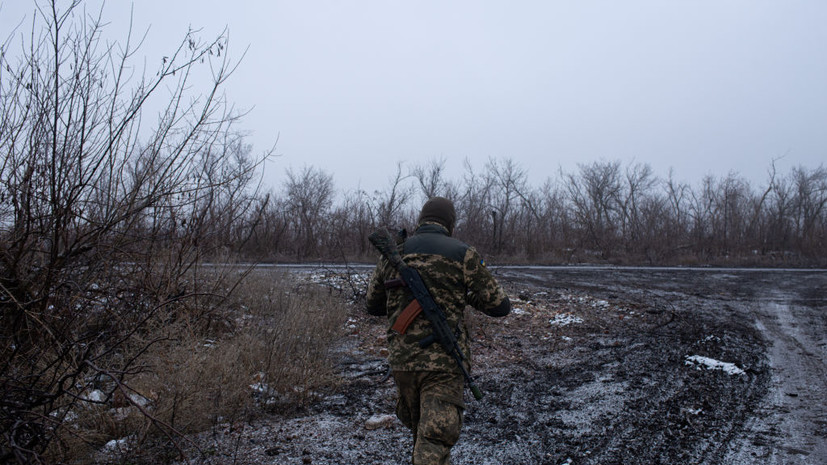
{"x":598,"y":366}
{"x":791,"y":424}
{"x":778,"y":415}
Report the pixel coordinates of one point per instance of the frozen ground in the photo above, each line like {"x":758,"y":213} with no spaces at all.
{"x":595,"y":366}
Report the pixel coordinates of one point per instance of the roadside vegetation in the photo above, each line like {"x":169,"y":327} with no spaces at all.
{"x":111,"y":327}
{"x":127,"y":196}
{"x":603,"y":213}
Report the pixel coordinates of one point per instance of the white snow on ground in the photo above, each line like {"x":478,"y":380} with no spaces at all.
{"x":564,"y":319}
{"x":94,"y":396}
{"x":115,"y":449}
{"x":700,"y":362}
{"x":340,"y":281}
{"x":600,"y":303}
{"x":352,"y":323}
{"x":117,"y":444}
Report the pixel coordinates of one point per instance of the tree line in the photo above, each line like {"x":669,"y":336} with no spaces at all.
{"x":603,"y":212}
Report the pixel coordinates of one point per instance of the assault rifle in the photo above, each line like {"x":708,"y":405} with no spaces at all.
{"x":441,"y":330}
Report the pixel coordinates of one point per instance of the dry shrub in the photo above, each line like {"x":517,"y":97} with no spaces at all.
{"x":290,"y":329}
{"x":276,"y":354}
{"x":265,"y":348}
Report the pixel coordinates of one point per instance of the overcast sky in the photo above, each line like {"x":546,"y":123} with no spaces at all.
{"x":703,"y":87}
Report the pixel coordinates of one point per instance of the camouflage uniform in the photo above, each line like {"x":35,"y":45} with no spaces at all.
{"x":429,"y":383}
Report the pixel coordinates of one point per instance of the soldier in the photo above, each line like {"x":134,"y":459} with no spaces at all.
{"x":429,"y":382}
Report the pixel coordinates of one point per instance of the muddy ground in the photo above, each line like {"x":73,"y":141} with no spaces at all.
{"x":595,"y":366}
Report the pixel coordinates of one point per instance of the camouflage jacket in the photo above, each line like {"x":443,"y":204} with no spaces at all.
{"x":456,"y":276}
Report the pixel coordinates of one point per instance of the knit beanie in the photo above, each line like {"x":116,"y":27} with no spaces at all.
{"x":439,"y":210}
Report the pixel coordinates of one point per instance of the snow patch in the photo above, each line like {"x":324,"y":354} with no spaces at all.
{"x":96,"y":396}
{"x":700,"y":362}
{"x":139,"y":400}
{"x":117,"y":445}
{"x":565,"y":319}
{"x":260,"y":388}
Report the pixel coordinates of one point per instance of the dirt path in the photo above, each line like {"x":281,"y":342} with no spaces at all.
{"x":791,"y":425}
{"x":597,"y":366}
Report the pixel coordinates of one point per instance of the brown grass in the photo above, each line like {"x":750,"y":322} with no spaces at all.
{"x":213,"y":362}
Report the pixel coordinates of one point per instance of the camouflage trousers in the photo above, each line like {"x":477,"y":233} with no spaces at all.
{"x":430,"y":404}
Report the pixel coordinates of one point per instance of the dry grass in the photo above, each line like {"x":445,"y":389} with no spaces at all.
{"x":219,"y":361}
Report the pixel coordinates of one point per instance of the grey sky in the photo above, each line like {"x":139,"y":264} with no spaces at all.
{"x":354,"y":86}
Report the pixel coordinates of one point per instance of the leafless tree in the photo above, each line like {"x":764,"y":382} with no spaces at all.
{"x":102,"y":207}
{"x":357,"y":221}
{"x":308,"y":197}
{"x":637,"y":192}
{"x":780,"y":230}
{"x":808,"y":209}
{"x":474,"y":221}
{"x":509,"y":187}
{"x":433,"y":181}
{"x":556,"y":227}
{"x":677,"y":216}
{"x":390,"y":202}
{"x":595,"y":193}
{"x":603,"y":211}
{"x":270,"y":232}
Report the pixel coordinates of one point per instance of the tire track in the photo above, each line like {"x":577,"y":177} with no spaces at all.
{"x":791,"y":427}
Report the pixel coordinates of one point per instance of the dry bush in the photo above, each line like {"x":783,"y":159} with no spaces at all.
{"x":106,"y":214}
{"x":291,"y":328}
{"x":276,"y":354}
{"x":225,"y":360}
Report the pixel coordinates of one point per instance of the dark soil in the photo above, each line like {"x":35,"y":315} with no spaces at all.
{"x":593,"y":367}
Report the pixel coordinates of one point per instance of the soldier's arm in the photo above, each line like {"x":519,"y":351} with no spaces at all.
{"x":376,"y":297}
{"x":484,"y":292}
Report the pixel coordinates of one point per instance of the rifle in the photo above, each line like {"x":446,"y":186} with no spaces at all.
{"x":441,"y":330}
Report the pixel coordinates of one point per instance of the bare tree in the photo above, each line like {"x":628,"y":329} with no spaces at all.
{"x":431,"y":179}
{"x":780,"y":228}
{"x":623,"y":213}
{"x":308,"y":196}
{"x":390,"y":202}
{"x":100,"y":218}
{"x":556,"y":227}
{"x":702,"y":214}
{"x":808,"y":210}
{"x":677,"y":216}
{"x":509,"y":182}
{"x":595,"y":194}
{"x":732,"y":212}
{"x":270,"y":233}
{"x":474,"y":221}
{"x":356,"y":221}
{"x":638,"y":187}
